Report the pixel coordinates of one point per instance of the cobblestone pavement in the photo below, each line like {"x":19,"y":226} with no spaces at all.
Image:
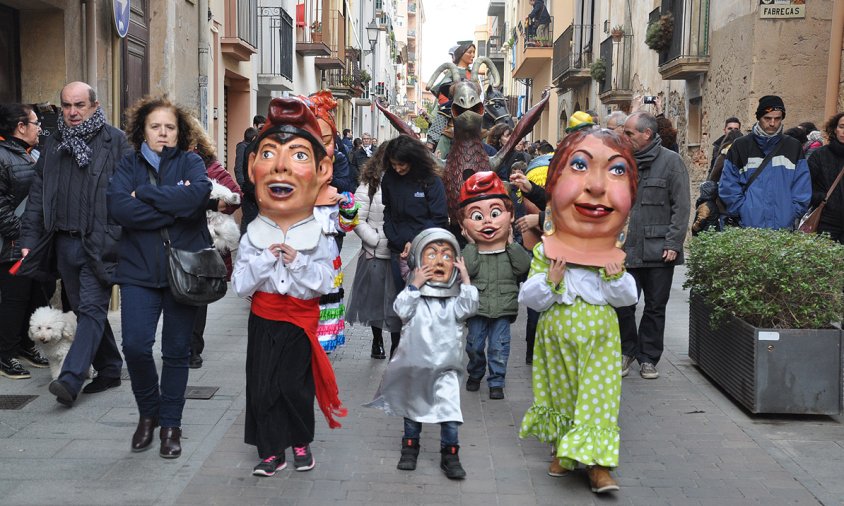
{"x":682,"y":441}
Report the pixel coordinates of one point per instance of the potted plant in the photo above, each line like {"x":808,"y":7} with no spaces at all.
{"x":659,"y":34}
{"x":764,"y":317}
{"x":365,"y":77}
{"x":316,"y":31}
{"x":617,"y":33}
{"x":598,"y":69}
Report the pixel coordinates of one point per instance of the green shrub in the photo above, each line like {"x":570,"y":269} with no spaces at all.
{"x":598,"y":69}
{"x":659,"y":34}
{"x":769,"y":278}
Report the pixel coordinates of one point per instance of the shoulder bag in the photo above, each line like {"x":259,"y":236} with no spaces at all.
{"x":734,"y":220}
{"x":809,"y":221}
{"x":196,"y":278}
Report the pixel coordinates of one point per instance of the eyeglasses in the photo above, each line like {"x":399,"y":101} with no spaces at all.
{"x":36,"y":123}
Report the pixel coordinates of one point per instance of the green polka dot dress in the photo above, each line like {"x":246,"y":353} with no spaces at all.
{"x":576,"y":362}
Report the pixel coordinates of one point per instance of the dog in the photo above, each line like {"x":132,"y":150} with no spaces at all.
{"x":53,"y":331}
{"x":224,"y":231}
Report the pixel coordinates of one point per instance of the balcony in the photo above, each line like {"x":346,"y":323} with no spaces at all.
{"x":240,"y":35}
{"x":573,"y":56}
{"x":275,"y":39}
{"x":533,"y":51}
{"x":411,"y":8}
{"x":345,"y":82}
{"x":334,"y":35}
{"x":496,"y":8}
{"x":688,"y":55}
{"x":411,"y":81}
{"x":615,"y":87}
{"x":411,"y":34}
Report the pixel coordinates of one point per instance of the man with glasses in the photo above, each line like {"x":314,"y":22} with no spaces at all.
{"x":66,"y":220}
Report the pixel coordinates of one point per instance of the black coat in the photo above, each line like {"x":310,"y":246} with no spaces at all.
{"x":100,"y":234}
{"x":411,"y":206}
{"x":170,"y":203}
{"x":17,"y":170}
{"x":824,"y":166}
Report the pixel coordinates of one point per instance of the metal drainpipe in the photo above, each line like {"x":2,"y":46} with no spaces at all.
{"x":204,"y":62}
{"x":91,"y":42}
{"x":836,"y":45}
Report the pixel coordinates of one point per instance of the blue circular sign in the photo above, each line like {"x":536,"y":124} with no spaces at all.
{"x":121,"y":16}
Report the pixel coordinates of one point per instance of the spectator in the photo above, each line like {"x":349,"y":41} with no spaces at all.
{"x":19,"y":130}
{"x":66,"y":214}
{"x":732,"y":123}
{"x":780,"y":190}
{"x":655,"y":235}
{"x":538,"y":21}
{"x":667,"y":133}
{"x":824,"y":166}
{"x":615,"y":121}
{"x":249,"y":209}
{"x":348,"y":141}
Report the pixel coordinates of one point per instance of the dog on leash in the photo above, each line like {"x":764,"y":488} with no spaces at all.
{"x":53,"y":331}
{"x":224,"y":231}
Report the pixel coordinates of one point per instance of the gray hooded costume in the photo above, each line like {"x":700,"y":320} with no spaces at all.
{"x":422,"y":381}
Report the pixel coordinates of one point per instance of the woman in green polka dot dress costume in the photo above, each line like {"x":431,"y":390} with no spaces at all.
{"x":575,"y":280}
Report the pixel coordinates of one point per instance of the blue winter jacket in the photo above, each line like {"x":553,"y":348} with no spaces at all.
{"x":172,"y":204}
{"x":779,"y":195}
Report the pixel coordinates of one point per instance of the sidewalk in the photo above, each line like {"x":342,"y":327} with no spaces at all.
{"x":682,"y":440}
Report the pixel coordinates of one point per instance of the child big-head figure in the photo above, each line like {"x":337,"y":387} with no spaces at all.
{"x":486,"y":210}
{"x":289,"y":165}
{"x":591,"y":187}
{"x":437,"y":248}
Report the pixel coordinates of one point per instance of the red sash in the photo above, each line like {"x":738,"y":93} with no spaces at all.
{"x":305,"y":315}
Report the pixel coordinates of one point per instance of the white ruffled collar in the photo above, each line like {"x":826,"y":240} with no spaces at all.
{"x":302,"y":236}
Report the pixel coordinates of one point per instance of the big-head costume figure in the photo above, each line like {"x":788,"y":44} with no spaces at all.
{"x":284,"y":264}
{"x":576,"y":278}
{"x":494,"y":263}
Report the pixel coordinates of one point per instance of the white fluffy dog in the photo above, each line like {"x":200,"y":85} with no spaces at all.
{"x":52,"y":332}
{"x":224,"y":231}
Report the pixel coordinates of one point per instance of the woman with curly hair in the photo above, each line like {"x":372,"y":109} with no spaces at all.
{"x":160,"y":187}
{"x":414,"y":199}
{"x":373,"y":292}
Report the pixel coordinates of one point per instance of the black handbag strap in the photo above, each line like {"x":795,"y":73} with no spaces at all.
{"x":164,"y":235}
{"x":762,"y":166}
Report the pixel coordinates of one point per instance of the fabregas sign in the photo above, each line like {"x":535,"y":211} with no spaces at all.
{"x":782,"y":9}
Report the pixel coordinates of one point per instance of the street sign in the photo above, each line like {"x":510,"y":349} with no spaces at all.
{"x":782,"y":9}
{"x":120,"y":8}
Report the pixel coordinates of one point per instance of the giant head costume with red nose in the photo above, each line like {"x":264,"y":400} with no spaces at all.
{"x":591,"y":187}
{"x":486,"y":211}
{"x":289,"y":165}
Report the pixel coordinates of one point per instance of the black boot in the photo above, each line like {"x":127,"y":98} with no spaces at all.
{"x":450,"y":463}
{"x":378,"y":348}
{"x":409,"y":454}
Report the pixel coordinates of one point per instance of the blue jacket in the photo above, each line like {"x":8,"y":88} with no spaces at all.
{"x":779,"y":195}
{"x":411,"y":206}
{"x":171,"y":204}
{"x":344,"y":177}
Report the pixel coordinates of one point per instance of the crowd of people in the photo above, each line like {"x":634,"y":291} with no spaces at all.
{"x":576,"y":231}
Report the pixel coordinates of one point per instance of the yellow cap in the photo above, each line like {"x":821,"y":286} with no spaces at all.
{"x":579,"y":120}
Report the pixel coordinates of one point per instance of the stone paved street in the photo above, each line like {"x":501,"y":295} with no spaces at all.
{"x":682,"y":441}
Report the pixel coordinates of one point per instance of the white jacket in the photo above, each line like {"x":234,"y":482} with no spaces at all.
{"x":371,"y":226}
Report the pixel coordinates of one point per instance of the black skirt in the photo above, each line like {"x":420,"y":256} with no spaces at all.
{"x":279,"y":387}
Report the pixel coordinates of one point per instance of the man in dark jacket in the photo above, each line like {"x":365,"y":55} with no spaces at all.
{"x":539,"y":20}
{"x":66,"y":222}
{"x":730,"y":124}
{"x":655,"y":234}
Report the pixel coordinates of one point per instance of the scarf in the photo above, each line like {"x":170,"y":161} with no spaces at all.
{"x":646,"y":156}
{"x":150,"y":156}
{"x":757,"y":131}
{"x":836,"y":147}
{"x":75,"y":139}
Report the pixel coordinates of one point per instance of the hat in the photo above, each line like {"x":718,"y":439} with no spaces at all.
{"x":770,"y":103}
{"x":458,"y":53}
{"x":292,"y":116}
{"x":482,"y":186}
{"x":579,"y":120}
{"x":322,"y":104}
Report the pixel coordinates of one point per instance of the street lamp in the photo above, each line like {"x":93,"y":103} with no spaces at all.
{"x":372,"y":34}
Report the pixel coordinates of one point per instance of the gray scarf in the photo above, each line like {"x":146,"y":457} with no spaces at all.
{"x":757,"y":130}
{"x":75,"y":139}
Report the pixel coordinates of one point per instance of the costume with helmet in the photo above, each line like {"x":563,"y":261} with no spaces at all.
{"x":494,"y":262}
{"x":422,"y":381}
{"x":577,"y":352}
{"x":284,"y":264}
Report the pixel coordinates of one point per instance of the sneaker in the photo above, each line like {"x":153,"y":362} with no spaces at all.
{"x":600,"y":480}
{"x":12,"y":368}
{"x":302,"y":458}
{"x":269,"y":466}
{"x":496,"y":393}
{"x":648,"y":371}
{"x":625,"y":365}
{"x":34,"y":357}
{"x":556,"y":470}
{"x":473,"y":385}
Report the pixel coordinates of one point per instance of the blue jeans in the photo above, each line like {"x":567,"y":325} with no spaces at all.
{"x":142,"y":307}
{"x":495,"y":331}
{"x":448,"y":432}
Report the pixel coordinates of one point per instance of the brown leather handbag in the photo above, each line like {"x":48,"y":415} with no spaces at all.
{"x":809,"y":221}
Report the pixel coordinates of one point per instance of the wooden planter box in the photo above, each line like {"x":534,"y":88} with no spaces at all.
{"x":768,"y":370}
